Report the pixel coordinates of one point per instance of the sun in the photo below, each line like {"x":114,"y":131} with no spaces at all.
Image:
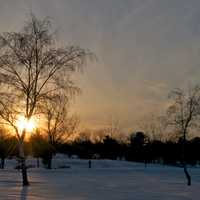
{"x":23,"y":123}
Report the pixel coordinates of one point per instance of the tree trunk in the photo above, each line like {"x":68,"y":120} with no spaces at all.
{"x":49,"y":163}
{"x":2,"y":163}
{"x":188,"y":177}
{"x":24,"y":172}
{"x":23,"y":164}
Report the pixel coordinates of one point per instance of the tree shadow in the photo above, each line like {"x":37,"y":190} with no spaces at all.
{"x":24,"y":193}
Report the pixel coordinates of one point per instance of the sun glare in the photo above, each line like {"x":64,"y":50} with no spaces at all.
{"x":23,"y":123}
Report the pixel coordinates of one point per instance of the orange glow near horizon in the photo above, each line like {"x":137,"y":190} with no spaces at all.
{"x":23,"y":123}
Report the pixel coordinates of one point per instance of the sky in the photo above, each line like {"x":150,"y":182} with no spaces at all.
{"x":144,"y":49}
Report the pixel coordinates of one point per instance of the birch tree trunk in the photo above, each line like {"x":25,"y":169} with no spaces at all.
{"x":23,"y":163}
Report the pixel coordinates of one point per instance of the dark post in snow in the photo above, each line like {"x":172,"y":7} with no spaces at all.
{"x":90,"y":164}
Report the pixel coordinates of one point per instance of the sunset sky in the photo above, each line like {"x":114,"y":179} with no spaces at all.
{"x":144,"y":48}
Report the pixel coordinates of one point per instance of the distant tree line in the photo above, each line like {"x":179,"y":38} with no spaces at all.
{"x":138,"y":148}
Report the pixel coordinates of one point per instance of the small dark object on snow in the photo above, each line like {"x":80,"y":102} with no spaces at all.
{"x":90,"y":163}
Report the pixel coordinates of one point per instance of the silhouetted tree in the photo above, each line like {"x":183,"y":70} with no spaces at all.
{"x":154,"y":126}
{"x":110,"y":148}
{"x":137,"y":146}
{"x":59,"y":125}
{"x":41,"y":148}
{"x":183,"y":114}
{"x":32,"y":65}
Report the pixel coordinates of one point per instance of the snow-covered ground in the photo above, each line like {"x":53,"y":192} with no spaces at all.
{"x":106,"y":180}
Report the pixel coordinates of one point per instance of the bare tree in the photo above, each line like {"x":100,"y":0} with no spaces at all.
{"x":183,"y":114}
{"x":154,"y":126}
{"x":59,"y":124}
{"x":114,"y":130}
{"x":32,"y":65}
